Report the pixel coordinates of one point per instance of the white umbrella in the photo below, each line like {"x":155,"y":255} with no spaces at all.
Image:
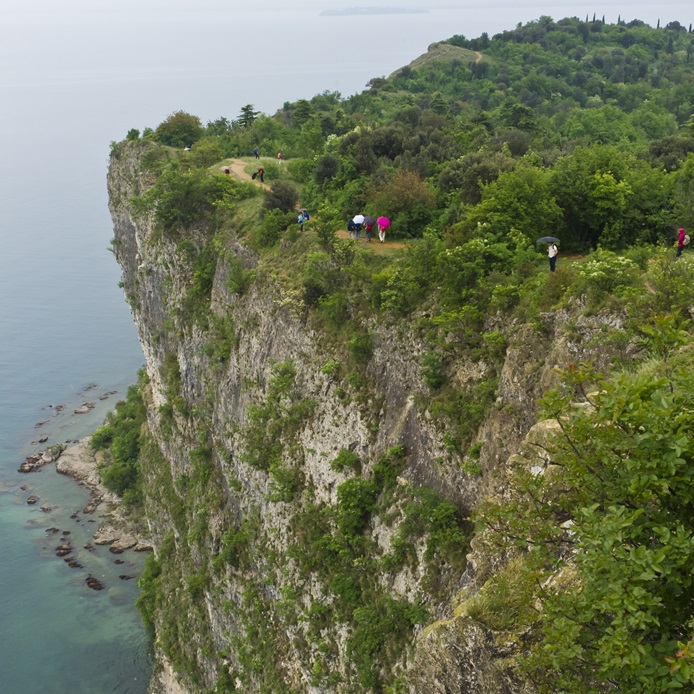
{"x":358,"y":219}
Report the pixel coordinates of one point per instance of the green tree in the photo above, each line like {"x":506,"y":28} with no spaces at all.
{"x":180,"y":129}
{"x":520,"y":199}
{"x":302,"y":112}
{"x":685,"y":192}
{"x":248,"y":115}
{"x":590,"y":186}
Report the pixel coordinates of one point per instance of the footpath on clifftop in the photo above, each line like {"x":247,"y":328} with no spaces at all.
{"x":238,"y":168}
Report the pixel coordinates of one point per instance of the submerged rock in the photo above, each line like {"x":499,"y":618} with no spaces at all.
{"x":94,"y":583}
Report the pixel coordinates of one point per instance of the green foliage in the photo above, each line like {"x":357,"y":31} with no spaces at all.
{"x":274,"y":425}
{"x":557,"y":136}
{"x":120,"y":437}
{"x":180,"y":198}
{"x":608,"y":521}
{"x":356,"y":499}
{"x":248,"y":115}
{"x":377,"y":627}
{"x":282,"y":196}
{"x":274,"y":223}
{"x":605,"y":274}
{"x":433,"y":370}
{"x":346,"y":460}
{"x":505,"y":602}
{"x":240,"y":278}
{"x":360,"y":347}
{"x":234,"y":544}
{"x":148,"y":583}
{"x":180,"y":130}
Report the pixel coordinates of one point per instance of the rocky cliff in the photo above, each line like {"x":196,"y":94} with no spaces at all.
{"x":311,"y":520}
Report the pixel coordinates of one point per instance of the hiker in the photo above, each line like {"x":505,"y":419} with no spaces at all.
{"x":227,"y":170}
{"x":351,"y":228}
{"x":260,"y":173}
{"x":303,"y":217}
{"x":368,"y":228}
{"x":682,"y":241}
{"x":279,"y":157}
{"x":552,"y":252}
{"x":256,"y":152}
{"x":381,"y":233}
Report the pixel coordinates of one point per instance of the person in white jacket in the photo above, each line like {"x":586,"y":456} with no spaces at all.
{"x":552,"y":251}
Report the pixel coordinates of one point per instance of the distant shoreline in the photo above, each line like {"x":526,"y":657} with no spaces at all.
{"x":352,"y":11}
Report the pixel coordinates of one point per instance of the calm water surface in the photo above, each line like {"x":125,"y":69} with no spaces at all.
{"x":72,"y":81}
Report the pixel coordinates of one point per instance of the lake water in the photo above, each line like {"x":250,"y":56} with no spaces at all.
{"x":71,"y":81}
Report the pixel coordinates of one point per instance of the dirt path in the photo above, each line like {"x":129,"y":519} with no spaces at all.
{"x":375,"y":244}
{"x":238,"y":168}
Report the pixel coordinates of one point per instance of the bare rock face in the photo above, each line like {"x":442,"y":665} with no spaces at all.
{"x":460,"y":656}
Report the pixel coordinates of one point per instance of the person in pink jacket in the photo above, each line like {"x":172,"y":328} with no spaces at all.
{"x":680,"y":242}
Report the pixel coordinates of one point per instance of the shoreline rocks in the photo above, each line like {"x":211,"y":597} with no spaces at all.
{"x":80,"y":463}
{"x":36,"y":461}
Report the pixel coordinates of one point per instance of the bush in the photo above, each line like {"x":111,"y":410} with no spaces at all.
{"x":356,"y":498}
{"x":183,"y":198}
{"x":274,"y":223}
{"x":180,"y":129}
{"x":605,"y":273}
{"x":282,"y":196}
{"x":240,"y":279}
{"x":505,"y":602}
{"x":346,"y":459}
{"x":361,"y":346}
{"x":433,"y":373}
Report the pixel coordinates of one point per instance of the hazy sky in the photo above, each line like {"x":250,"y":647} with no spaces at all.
{"x":556,"y":8}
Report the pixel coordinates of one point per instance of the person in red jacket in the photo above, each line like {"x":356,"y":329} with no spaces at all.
{"x":680,"y":242}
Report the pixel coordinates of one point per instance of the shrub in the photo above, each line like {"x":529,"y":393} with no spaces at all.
{"x":180,"y":129}
{"x":282,"y":196}
{"x":356,"y":498}
{"x":346,"y":459}
{"x":605,"y":273}
{"x":433,"y":373}
{"x":505,"y":602}
{"x":240,"y":279}
{"x":182,"y":198}
{"x":360,"y":346}
{"x":274,"y":223}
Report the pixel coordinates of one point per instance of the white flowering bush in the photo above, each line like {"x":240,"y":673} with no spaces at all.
{"x":605,"y":272}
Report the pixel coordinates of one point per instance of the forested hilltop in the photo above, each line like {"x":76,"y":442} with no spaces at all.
{"x":431,"y":464}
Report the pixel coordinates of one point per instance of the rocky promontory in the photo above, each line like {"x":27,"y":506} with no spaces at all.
{"x":81,"y":463}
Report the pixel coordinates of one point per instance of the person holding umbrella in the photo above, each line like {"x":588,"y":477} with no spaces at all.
{"x":552,"y":250}
{"x":358,"y":221}
{"x":383,"y":224}
{"x":368,"y":227}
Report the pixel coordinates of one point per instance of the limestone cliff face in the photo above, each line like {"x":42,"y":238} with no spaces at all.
{"x":251,"y":594}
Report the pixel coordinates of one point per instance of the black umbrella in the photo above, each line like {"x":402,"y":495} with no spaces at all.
{"x":548,"y":239}
{"x":369,"y":221}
